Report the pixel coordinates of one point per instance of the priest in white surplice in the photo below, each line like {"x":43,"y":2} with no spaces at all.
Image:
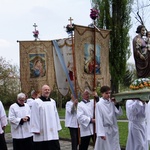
{"x":106,"y":122}
{"x":86,"y":120}
{"x":45,"y":122}
{"x":19,"y":118}
{"x":137,"y":135}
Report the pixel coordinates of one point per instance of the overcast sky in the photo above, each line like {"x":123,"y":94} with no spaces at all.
{"x":18,"y":17}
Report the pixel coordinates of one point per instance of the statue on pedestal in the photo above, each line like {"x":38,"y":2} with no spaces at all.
{"x":141,"y":53}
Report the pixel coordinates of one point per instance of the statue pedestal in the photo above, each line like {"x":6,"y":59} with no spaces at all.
{"x":143,"y":94}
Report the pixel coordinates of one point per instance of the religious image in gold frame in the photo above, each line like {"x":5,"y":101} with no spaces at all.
{"x":89,"y":65}
{"x":37,"y":65}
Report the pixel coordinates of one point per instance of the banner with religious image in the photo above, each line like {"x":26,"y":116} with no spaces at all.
{"x":65,"y":47}
{"x":36,"y":65}
{"x":84,"y":39}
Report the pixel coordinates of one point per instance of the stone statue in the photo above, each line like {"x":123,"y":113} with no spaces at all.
{"x":141,"y":53}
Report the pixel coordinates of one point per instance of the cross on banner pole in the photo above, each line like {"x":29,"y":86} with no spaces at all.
{"x":35,"y":25}
{"x":70,"y":19}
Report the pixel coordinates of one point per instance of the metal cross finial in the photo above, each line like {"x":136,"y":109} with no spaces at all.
{"x":35,"y":25}
{"x":70,"y":19}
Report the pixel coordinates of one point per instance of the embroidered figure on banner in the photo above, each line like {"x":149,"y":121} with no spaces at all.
{"x":37,"y":65}
{"x":89,"y":66}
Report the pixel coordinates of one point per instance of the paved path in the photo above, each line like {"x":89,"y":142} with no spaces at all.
{"x":65,"y":145}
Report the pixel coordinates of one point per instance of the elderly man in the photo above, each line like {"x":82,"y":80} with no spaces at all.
{"x":45,"y":122}
{"x":3,"y":123}
{"x":85,"y":114}
{"x":19,"y":117}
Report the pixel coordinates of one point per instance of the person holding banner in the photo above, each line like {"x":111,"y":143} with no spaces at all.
{"x":85,"y":116}
{"x":106,"y":122}
{"x":45,"y":122}
{"x":71,"y":121}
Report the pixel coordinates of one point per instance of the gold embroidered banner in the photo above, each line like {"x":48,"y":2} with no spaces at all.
{"x":84,"y":39}
{"x":36,"y":65}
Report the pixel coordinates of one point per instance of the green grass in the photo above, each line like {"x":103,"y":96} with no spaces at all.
{"x":61,"y":113}
{"x":123,"y":133}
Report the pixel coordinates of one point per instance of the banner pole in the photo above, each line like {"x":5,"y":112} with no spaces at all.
{"x":94,"y":84}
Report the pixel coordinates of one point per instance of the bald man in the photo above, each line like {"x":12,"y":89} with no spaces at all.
{"x":45,"y":122}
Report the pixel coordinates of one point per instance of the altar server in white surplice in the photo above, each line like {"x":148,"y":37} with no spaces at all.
{"x":3,"y":123}
{"x":85,"y":119}
{"x":71,"y":121}
{"x":19,"y":118}
{"x":137,"y":134}
{"x":45,"y":122}
{"x":106,"y":122}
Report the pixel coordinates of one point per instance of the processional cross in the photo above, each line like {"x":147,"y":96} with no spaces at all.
{"x":70,"y":19}
{"x":35,"y":25}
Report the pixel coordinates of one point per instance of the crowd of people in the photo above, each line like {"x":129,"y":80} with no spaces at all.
{"x":35,"y":122}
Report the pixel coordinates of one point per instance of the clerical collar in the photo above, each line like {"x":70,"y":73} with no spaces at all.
{"x":85,"y":101}
{"x":20,"y":104}
{"x":45,"y":99}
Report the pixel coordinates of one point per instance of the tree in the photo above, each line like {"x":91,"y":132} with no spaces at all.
{"x":9,"y":82}
{"x":140,"y":11}
{"x":115,"y":16}
{"x":129,"y":77}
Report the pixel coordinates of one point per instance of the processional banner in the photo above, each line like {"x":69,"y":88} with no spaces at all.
{"x":65,"y":47}
{"x":84,"y":39}
{"x":36,"y":65}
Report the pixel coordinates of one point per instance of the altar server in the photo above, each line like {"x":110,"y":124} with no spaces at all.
{"x":19,"y":117}
{"x":45,"y":122}
{"x":3,"y":123}
{"x":71,"y":121}
{"x":106,"y":122}
{"x":137,"y":135}
{"x":85,"y":116}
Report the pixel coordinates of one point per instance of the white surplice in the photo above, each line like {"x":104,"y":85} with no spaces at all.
{"x":148,"y":121}
{"x":30,"y":101}
{"x":106,"y":125}
{"x":44,"y":120}
{"x":70,"y":115}
{"x":137,"y":135}
{"x":15,"y":114}
{"x":84,"y":116}
{"x":3,"y":118}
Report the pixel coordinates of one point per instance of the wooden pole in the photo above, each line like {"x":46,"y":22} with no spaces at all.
{"x":74,"y":73}
{"x":94,"y":83}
